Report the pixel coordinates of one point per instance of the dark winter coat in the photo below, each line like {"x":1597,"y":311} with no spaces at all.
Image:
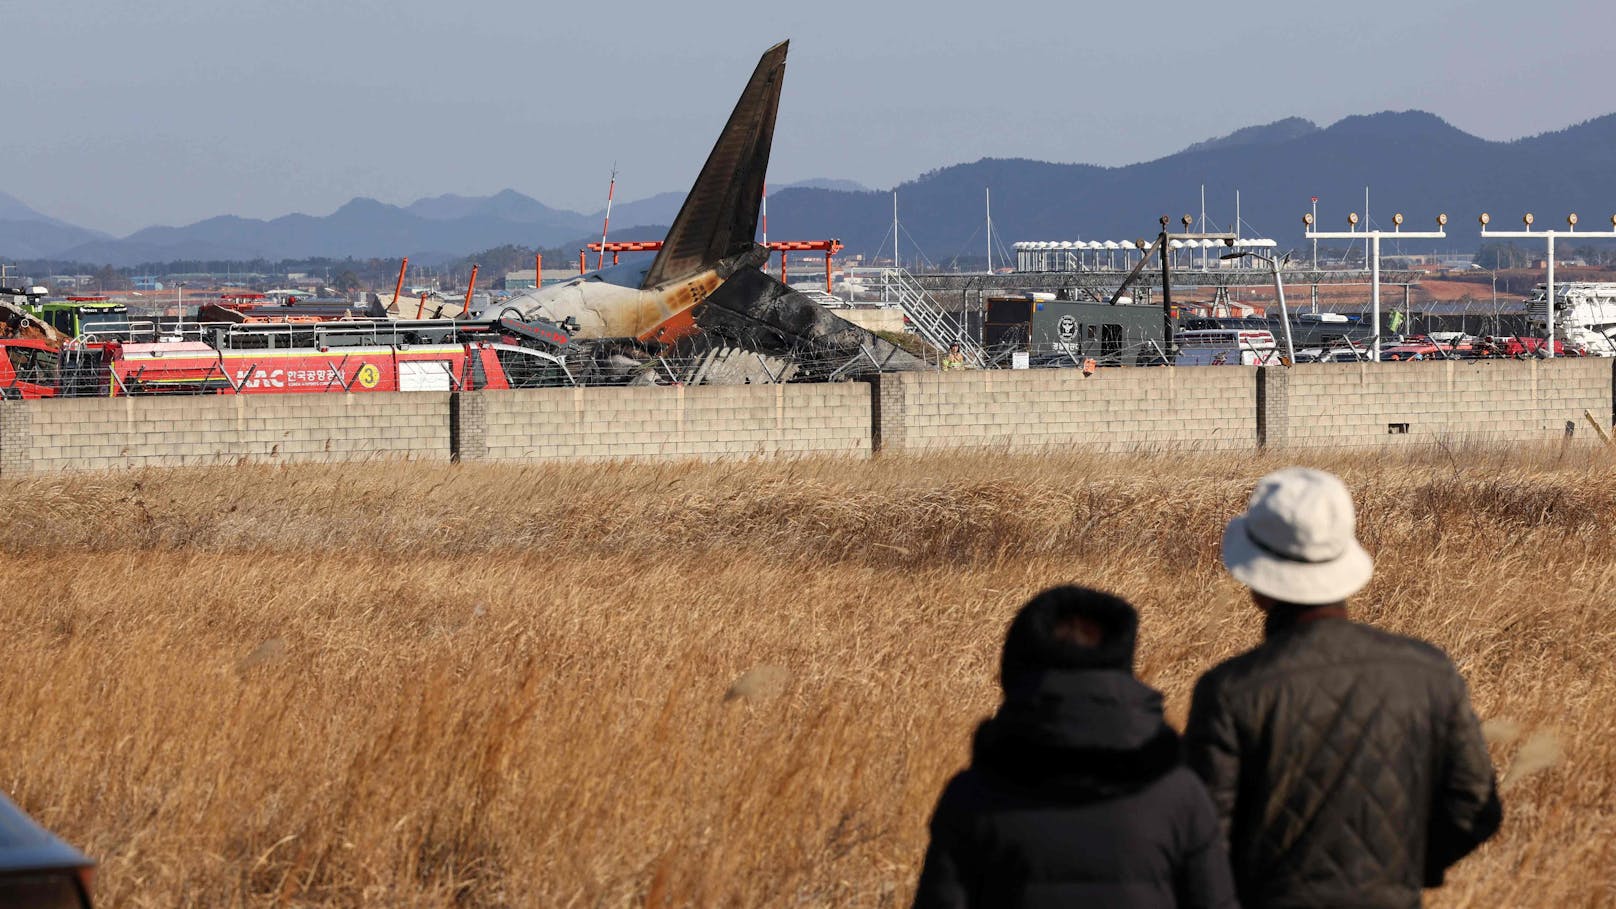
{"x":1076,"y":796}
{"x":1346,"y":764}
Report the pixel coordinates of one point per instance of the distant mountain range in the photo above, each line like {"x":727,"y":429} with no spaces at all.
{"x":28,"y":234}
{"x":436,"y":228}
{"x":1413,"y":162}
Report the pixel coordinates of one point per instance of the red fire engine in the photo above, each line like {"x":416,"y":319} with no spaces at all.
{"x":29,"y":369}
{"x":245,"y":358}
{"x":190,"y":367}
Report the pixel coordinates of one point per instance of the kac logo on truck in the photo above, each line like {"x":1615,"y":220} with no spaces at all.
{"x":261,"y":378}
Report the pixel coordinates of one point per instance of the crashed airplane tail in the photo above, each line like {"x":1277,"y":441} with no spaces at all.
{"x":720,"y":216}
{"x":706,"y":285}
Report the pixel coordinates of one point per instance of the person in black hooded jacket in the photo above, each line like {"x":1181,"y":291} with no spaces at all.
{"x":1076,"y":795}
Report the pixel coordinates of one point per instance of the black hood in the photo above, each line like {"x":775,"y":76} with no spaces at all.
{"x":1078,"y":734}
{"x":1034,"y":644}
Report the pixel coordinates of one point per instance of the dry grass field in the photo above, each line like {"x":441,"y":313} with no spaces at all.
{"x":486,"y":686}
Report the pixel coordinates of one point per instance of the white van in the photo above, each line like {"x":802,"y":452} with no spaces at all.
{"x":1227,"y":347}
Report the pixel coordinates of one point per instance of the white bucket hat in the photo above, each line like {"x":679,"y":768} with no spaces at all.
{"x":1297,"y":540}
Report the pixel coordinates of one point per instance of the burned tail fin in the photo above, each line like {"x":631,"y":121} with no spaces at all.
{"x":720,"y":216}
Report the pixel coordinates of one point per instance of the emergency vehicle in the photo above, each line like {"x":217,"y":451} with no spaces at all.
{"x":1227,"y":347}
{"x":254,"y":307}
{"x":29,"y":369}
{"x":81,"y":315}
{"x":138,"y":358}
{"x":192,"y":367}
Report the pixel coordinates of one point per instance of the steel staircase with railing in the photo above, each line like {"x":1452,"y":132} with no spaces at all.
{"x":935,"y":326}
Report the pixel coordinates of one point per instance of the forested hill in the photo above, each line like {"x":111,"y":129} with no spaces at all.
{"x":1413,"y":162}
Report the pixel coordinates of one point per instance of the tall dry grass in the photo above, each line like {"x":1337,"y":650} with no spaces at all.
{"x":428,"y":685}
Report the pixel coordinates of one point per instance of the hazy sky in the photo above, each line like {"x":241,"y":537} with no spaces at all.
{"x":120,"y":115}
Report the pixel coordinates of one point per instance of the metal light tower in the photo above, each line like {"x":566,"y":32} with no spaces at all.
{"x":1492,"y":274}
{"x":1549,"y":235}
{"x":1274,"y":266}
{"x":1372,"y":237}
{"x":1315,"y":242}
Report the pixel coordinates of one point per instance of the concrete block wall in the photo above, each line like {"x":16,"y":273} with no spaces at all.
{"x":1345,"y":405}
{"x":1191,"y":408}
{"x":593,"y":424}
{"x":104,"y":433}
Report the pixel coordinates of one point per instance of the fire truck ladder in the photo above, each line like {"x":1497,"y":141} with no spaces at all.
{"x":937,"y":327}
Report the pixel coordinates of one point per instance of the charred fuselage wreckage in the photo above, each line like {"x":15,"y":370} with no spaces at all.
{"x":704,"y":310}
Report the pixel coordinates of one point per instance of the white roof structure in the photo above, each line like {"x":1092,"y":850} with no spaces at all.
{"x":1047,"y":245}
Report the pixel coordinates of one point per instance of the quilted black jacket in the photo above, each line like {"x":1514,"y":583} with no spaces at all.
{"x":1346,"y":764}
{"x":1076,"y":796}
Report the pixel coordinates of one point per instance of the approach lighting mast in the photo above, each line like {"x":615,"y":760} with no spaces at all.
{"x":1549,"y":235}
{"x":1373,"y":238}
{"x":829,"y":247}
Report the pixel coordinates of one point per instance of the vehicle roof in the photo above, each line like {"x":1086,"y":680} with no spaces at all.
{"x":159,"y":348}
{"x":25,"y":845}
{"x":1226,"y":333}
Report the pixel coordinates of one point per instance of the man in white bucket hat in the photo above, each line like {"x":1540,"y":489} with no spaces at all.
{"x":1345,"y":762}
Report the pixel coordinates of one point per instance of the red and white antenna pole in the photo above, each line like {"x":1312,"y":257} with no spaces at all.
{"x":765,"y":214}
{"x":611,"y":190}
